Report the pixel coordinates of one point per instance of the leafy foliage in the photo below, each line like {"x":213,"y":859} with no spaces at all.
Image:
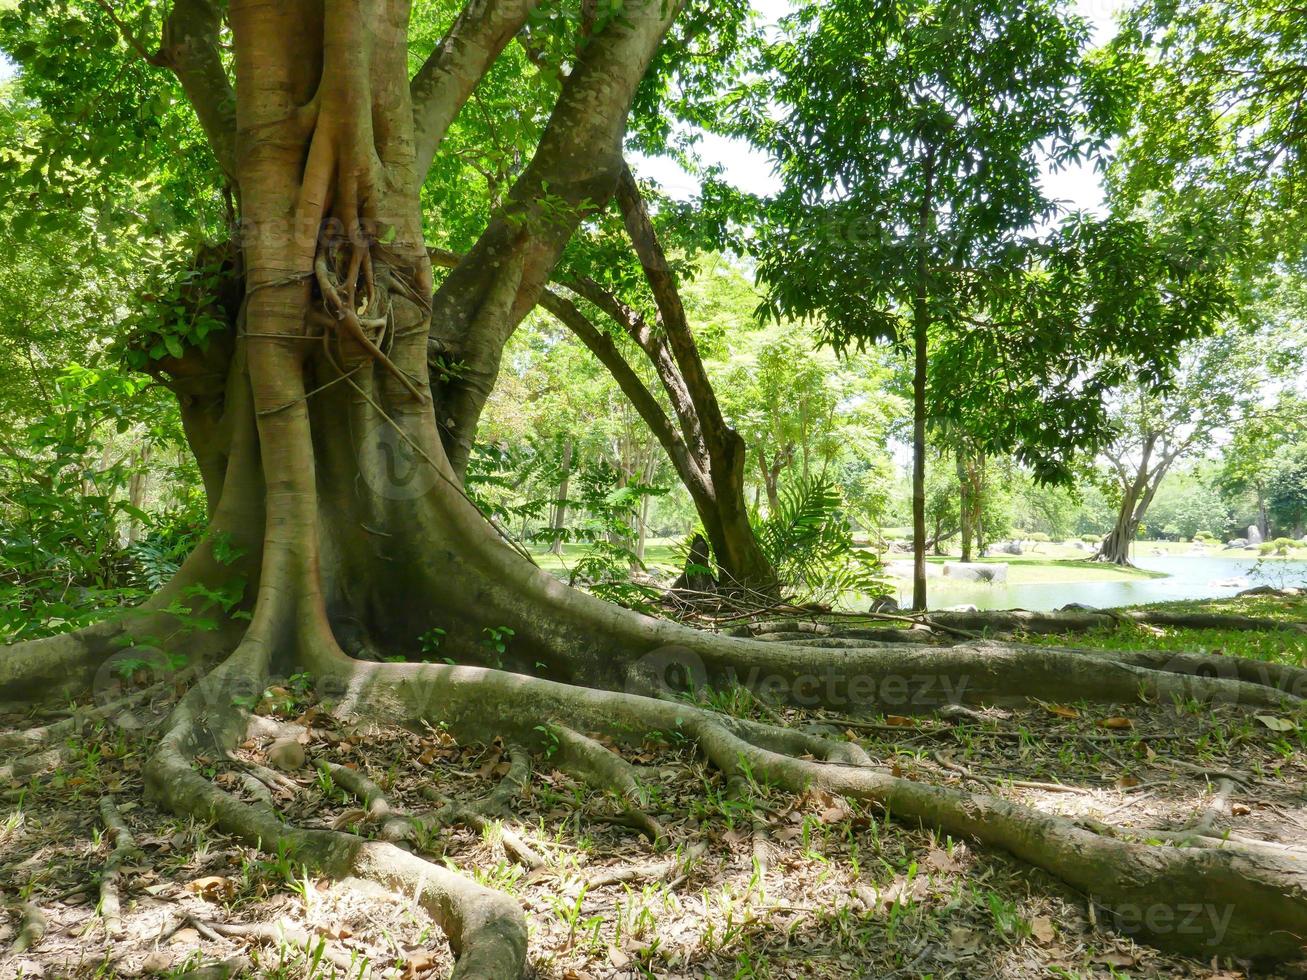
{"x":810,"y":544}
{"x":65,"y":509}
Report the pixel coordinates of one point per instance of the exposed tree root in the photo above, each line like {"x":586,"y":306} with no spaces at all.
{"x":1018,"y":620}
{"x":485,"y":928}
{"x":31,"y":930}
{"x":606,"y":770}
{"x":1263,"y":892}
{"x":279,"y":933}
{"x":79,"y":717}
{"x":124,"y":849}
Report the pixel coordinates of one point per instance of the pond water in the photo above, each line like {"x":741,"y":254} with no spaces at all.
{"x":1188,"y":577}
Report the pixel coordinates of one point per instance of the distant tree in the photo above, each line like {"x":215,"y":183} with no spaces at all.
{"x":1257,"y":446}
{"x":1217,"y":384}
{"x":1287,"y":493}
{"x":1188,"y":504}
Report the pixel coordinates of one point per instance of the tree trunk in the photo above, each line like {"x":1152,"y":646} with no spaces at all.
{"x":1136,"y":496}
{"x":920,"y":339}
{"x":136,"y":492}
{"x":559,"y":516}
{"x":338,"y":507}
{"x":964,"y":504}
{"x":1116,"y":546}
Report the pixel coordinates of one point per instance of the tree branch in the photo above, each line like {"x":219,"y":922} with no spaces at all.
{"x":571,"y":175}
{"x":603,"y":348}
{"x":453,"y":69}
{"x":190,"y":49}
{"x":671,"y":311}
{"x":655,"y":349}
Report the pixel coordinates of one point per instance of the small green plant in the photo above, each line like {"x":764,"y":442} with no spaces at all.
{"x":429,"y":642}
{"x":496,"y":641}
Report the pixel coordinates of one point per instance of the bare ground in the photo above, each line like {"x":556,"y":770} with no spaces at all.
{"x":767,"y":886}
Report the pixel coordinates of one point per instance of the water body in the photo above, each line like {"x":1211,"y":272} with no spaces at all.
{"x":1187,"y":577}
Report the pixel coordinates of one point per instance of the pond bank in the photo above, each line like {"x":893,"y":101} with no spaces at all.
{"x":1041,"y":582}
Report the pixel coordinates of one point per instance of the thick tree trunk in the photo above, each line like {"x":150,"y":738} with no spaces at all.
{"x":339,"y":508}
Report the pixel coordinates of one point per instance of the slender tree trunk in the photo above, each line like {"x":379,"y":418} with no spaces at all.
{"x":964,"y":504}
{"x":919,"y":459}
{"x":136,"y":492}
{"x":920,"y":339}
{"x":559,"y":521}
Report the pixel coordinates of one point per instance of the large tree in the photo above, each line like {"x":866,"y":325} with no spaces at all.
{"x":336,"y":504}
{"x":910,"y":139}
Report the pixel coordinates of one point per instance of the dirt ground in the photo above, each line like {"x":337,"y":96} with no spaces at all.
{"x":769,"y":886}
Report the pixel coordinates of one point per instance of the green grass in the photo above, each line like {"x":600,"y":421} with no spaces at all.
{"x":1255,"y":645}
{"x":660,"y":552}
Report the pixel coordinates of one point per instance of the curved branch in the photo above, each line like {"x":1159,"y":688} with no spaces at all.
{"x":453,"y":69}
{"x":190,"y":48}
{"x":602,"y":346}
{"x":572,"y":174}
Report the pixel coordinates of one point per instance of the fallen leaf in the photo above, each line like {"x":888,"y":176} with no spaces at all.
{"x":185,"y":937}
{"x":1062,"y":711}
{"x":941,"y":860}
{"x":1116,"y":722}
{"x":348,"y":817}
{"x":418,"y":962}
{"x":1041,"y":927}
{"x":1277,"y":724}
{"x":213,"y":888}
{"x":1116,"y":959}
{"x":617,"y":957}
{"x":898,"y":721}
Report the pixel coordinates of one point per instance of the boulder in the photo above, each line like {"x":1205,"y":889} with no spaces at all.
{"x":970,"y":572}
{"x":1254,"y":535}
{"x":1237,"y":543}
{"x":1077,"y":607}
{"x":884,"y":604}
